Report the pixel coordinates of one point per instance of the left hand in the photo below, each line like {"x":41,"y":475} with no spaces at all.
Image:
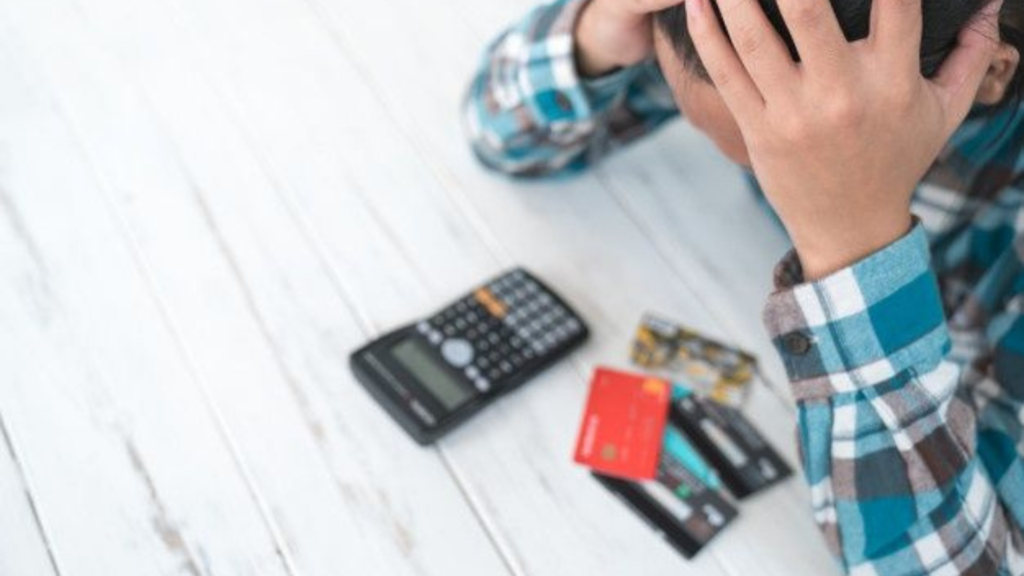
{"x":840,"y":140}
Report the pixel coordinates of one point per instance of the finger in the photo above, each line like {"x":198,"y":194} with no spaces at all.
{"x":720,"y":60}
{"x":961,"y":74}
{"x":816,"y":32}
{"x":648,"y":6}
{"x":759,"y":47}
{"x":896,"y":27}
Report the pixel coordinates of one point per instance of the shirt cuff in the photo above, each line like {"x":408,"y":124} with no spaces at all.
{"x":555,"y":90}
{"x":875,"y":321}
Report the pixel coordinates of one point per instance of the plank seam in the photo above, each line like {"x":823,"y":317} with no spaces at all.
{"x":29,"y":496}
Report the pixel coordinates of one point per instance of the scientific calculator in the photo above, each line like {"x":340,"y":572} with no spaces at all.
{"x":434,"y":374}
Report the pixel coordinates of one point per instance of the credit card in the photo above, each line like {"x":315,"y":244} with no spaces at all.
{"x":684,"y":503}
{"x":713,"y":368}
{"x":740,"y":455}
{"x":623,"y":423}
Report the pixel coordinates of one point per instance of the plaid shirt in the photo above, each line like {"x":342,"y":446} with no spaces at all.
{"x":907,"y":367}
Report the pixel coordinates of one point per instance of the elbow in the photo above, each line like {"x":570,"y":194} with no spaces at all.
{"x":507,"y":164}
{"x":509,"y":149}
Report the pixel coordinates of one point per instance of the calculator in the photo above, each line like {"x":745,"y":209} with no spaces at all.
{"x":434,"y":374}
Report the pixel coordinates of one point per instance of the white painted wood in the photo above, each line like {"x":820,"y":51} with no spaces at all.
{"x":678,"y":173}
{"x":127,"y":467}
{"x":23,"y":547}
{"x":271,"y":182}
{"x":347,"y":493}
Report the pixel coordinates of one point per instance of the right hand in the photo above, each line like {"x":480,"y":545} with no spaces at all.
{"x":614,"y":34}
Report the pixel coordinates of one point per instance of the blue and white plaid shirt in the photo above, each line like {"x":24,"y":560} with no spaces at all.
{"x":907,"y":367}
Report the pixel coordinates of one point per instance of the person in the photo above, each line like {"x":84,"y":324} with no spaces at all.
{"x":887,"y":136}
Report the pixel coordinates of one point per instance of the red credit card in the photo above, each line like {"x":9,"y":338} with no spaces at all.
{"x":623,"y":424}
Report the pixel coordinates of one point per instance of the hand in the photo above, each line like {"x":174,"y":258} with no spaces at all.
{"x":612,"y":34}
{"x":840,"y":140}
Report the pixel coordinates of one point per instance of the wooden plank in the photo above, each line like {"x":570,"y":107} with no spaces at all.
{"x":128,"y":468}
{"x":256,"y":307}
{"x":679,"y":174}
{"x":23,"y":545}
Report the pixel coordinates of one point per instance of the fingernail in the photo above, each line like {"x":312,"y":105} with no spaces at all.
{"x":694,"y":7}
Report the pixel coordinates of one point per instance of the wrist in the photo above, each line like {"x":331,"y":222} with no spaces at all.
{"x":589,"y":60}
{"x":597,"y":52}
{"x":823,"y":251}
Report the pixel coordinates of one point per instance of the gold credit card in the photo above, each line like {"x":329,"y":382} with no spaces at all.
{"x":718,"y":370}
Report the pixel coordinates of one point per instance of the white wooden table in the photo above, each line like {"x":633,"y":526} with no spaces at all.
{"x":205,"y":205}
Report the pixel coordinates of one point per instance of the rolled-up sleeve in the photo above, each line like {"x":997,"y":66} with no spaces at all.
{"x":529,"y":112}
{"x":887,"y":438}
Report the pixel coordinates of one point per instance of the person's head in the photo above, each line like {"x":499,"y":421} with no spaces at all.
{"x":943,"y":19}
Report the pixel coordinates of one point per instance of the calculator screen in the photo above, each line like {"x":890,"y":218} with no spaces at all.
{"x":417,"y":360}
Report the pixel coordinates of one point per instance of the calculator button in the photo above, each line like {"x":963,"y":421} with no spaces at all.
{"x":472,"y":372}
{"x":489,"y":301}
{"x":482,"y":384}
{"x":423,"y":327}
{"x":494,"y":373}
{"x":457,"y":352}
{"x":435,"y":337}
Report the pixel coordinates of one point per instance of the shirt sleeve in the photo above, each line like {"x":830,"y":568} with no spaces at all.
{"x":528,"y":112}
{"x":887,"y":435}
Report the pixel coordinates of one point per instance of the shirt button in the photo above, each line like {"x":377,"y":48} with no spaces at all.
{"x":796,"y":343}
{"x":563,"y":102}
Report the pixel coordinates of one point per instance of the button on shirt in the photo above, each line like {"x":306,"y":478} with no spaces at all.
{"x":907,"y":367}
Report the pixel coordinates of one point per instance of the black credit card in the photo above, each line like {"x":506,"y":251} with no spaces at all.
{"x":739,"y":453}
{"x":684,"y":503}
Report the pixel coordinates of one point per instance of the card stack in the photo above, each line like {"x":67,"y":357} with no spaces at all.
{"x":680,"y":461}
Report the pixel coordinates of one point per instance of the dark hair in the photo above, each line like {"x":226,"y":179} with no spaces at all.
{"x":943,"y":20}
